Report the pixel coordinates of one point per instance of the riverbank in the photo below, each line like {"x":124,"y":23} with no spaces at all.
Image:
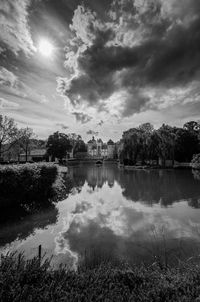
{"x":22,"y":280}
{"x":77,"y":162}
{"x":154,"y":167}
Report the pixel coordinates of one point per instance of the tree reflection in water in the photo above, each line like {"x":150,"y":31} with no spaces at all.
{"x":20,"y":225}
{"x":110,"y":214}
{"x":147,"y":186}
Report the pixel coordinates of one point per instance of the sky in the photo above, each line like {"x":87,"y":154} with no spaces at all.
{"x":99,"y":67}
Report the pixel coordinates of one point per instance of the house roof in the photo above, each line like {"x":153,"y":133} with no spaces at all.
{"x":92,"y":141}
{"x":110,"y":142}
{"x":36,"y":152}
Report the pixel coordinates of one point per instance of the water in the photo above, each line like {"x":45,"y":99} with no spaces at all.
{"x":129,"y":215}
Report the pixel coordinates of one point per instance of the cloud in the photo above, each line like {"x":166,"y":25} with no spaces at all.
{"x":12,"y":85}
{"x":5,"y":104}
{"x":82,"y":117}
{"x":44,"y":99}
{"x":63,"y":126}
{"x":14,"y":28}
{"x":7,"y":78}
{"x":91,"y":132}
{"x":142,"y":45}
{"x":100,"y":123}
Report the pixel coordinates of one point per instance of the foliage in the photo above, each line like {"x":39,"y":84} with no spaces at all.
{"x":187,"y":144}
{"x":196,"y":159}
{"x":22,"y":185}
{"x":136,"y":143}
{"x":80,"y":146}
{"x":167,"y":143}
{"x":33,"y":280}
{"x":192,"y":126}
{"x":195,"y":163}
{"x":58,"y":144}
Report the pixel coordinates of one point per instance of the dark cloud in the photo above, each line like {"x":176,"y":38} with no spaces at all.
{"x":82,"y":117}
{"x":100,"y":123}
{"x":146,"y":44}
{"x":91,"y":132}
{"x":134,"y":102}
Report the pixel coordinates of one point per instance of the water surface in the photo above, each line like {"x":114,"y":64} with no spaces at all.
{"x":129,"y":215}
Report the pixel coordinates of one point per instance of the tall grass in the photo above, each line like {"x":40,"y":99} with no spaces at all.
{"x":22,"y":280}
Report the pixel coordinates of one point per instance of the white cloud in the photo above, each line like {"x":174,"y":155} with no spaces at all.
{"x":14,"y":86}
{"x":5,"y":104}
{"x":7,"y":78}
{"x":14,"y":28}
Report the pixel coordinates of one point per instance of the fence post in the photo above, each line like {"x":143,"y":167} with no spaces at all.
{"x":39,"y":252}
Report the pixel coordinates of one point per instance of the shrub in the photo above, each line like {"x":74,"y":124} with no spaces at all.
{"x":31,"y":280}
{"x":195,"y":163}
{"x":27,"y":183}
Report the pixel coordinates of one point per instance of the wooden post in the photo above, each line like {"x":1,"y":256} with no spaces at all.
{"x":39,"y":252}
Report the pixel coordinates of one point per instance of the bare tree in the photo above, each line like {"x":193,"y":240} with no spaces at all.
{"x":25,"y":139}
{"x":8,"y":133}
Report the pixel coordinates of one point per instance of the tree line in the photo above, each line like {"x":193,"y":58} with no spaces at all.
{"x":14,"y":141}
{"x":142,"y":143}
{"x":146,"y":144}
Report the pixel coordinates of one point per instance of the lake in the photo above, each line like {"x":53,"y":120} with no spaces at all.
{"x":138,"y":216}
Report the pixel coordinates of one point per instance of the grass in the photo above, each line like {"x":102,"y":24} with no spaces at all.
{"x":22,"y":280}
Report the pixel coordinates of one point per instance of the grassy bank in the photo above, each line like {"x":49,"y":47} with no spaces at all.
{"x":23,"y":185}
{"x":22,"y":280}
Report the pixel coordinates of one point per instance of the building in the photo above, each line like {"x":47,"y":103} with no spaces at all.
{"x":34,"y":156}
{"x":97,"y":148}
{"x":111,"y":148}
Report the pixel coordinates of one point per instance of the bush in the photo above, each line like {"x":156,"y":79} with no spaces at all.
{"x":27,"y":183}
{"x":128,"y":162}
{"x":31,"y":280}
{"x":195,"y":163}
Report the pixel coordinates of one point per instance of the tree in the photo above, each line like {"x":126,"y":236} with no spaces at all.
{"x":166,"y":145}
{"x":192,"y":126}
{"x":74,"y":141}
{"x":58,"y":145}
{"x":145,"y":132}
{"x":153,"y":146}
{"x":8,"y":133}
{"x":131,"y":141}
{"x":136,"y":144}
{"x":25,"y":140}
{"x":186,"y":146}
{"x":79,"y":146}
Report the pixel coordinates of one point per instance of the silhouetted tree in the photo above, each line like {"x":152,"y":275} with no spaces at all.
{"x":58,"y":145}
{"x":187,"y":144}
{"x":80,"y":146}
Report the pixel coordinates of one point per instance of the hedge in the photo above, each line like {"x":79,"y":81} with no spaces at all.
{"x":27,"y":183}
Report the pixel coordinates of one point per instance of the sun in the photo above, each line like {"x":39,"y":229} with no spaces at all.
{"x":45,"y":47}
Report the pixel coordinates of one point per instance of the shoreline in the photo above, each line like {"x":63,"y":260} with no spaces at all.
{"x":35,"y":280}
